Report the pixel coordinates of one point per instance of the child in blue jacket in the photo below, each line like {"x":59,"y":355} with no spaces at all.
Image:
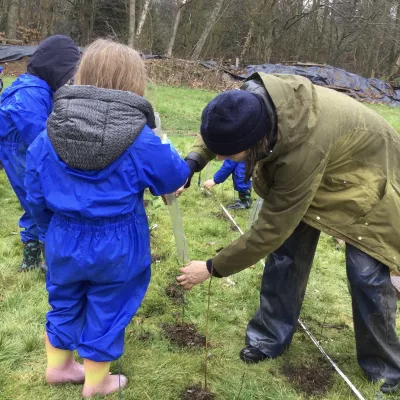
{"x":85,"y":179}
{"x":25,"y":107}
{"x":240,"y":184}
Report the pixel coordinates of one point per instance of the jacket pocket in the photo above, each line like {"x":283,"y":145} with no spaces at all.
{"x":384,"y":212}
{"x":379,"y":229}
{"x":345,"y":201}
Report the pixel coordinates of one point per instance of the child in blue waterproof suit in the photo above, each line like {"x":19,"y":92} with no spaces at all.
{"x":25,"y":107}
{"x":85,"y":179}
{"x":240,"y":183}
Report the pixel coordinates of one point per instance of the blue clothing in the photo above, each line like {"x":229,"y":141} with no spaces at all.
{"x":238,"y":172}
{"x":97,"y":243}
{"x":25,"y":107}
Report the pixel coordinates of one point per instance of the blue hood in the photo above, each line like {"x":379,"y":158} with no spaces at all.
{"x":23,"y":82}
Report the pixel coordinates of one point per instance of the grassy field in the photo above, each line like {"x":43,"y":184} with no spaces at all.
{"x":158,"y":369}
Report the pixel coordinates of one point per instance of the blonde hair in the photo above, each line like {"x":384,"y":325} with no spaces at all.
{"x":110,"y":65}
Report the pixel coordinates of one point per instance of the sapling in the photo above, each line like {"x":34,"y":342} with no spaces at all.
{"x":175,"y":214}
{"x":180,"y":241}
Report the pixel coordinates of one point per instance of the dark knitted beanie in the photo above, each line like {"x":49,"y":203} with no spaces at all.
{"x":233,"y":122}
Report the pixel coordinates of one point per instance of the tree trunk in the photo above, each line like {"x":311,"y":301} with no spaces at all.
{"x":247,"y":41}
{"x":207,"y":29}
{"x":44,"y":21}
{"x":50,"y":30}
{"x":143,"y":18}
{"x":132,"y":22}
{"x":12,"y":19}
{"x":395,"y":50}
{"x":314,"y":32}
{"x":175,"y":30}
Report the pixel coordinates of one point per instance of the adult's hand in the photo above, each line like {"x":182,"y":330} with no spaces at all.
{"x":194,"y":273}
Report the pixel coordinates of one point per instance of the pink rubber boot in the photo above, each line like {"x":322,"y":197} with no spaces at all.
{"x":70,"y":372}
{"x":61,"y":366}
{"x":99,"y":381}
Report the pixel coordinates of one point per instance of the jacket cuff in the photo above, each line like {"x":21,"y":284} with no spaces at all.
{"x":217,"y":181}
{"x":212,"y":271}
{"x":193,"y":167}
{"x":200,"y":162}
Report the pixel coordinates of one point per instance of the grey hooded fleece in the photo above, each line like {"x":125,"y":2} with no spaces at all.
{"x":91,"y":127}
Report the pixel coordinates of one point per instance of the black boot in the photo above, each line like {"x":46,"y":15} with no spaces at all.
{"x":390,"y":386}
{"x":244,"y":201}
{"x":251,"y":354}
{"x":32,"y":256}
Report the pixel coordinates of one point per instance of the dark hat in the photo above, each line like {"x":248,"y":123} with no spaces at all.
{"x":55,"y":61}
{"x":233,"y":122}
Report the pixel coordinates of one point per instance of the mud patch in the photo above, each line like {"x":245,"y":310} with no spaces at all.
{"x":146,"y":203}
{"x":338,"y":327}
{"x":157,"y":258}
{"x":326,"y":325}
{"x":175,"y":292}
{"x":183,"y":335}
{"x":196,"y":392}
{"x":221,"y":215}
{"x":313,"y":380}
{"x":144,"y":336}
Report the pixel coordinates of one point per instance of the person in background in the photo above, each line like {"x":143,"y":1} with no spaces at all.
{"x":24,"y":109}
{"x":240,"y":183}
{"x":85,"y":181}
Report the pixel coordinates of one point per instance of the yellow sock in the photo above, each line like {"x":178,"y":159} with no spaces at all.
{"x":95,"y":372}
{"x":56,"y":357}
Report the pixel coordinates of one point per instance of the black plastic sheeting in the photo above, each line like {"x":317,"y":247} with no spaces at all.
{"x":14,"y":53}
{"x":363,"y":89}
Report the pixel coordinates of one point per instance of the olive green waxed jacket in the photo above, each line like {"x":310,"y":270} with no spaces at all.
{"x":335,"y":166}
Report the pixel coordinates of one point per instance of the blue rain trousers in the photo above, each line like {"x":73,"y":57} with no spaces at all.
{"x":25,"y":107}
{"x":97,"y":239}
{"x":238,"y":172}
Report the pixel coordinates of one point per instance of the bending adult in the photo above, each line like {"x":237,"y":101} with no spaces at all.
{"x":322,"y":162}
{"x":25,"y":107}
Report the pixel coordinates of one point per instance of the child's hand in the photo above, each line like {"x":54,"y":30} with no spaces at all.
{"x":209,"y":184}
{"x":181,"y":189}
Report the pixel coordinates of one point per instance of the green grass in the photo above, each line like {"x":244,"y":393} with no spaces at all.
{"x":180,"y":109}
{"x":7,"y":80}
{"x":391,"y":114}
{"x":156,"y":368}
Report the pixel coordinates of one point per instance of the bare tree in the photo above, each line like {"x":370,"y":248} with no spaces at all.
{"x":207,"y":29}
{"x":180,"y":4}
{"x":142,"y":19}
{"x":132,"y":22}
{"x":12,"y":19}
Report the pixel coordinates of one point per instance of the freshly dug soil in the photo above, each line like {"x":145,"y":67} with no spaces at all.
{"x":183,"y":335}
{"x":221,"y":215}
{"x":175,"y":293}
{"x":196,"y":392}
{"x":144,"y":336}
{"x":157,"y":257}
{"x":313,"y":380}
